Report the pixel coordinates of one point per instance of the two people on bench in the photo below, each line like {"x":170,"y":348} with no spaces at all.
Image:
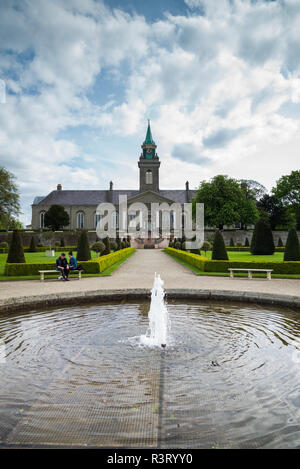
{"x":63,"y":267}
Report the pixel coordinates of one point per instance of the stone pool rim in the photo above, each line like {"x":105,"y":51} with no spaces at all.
{"x":22,"y":303}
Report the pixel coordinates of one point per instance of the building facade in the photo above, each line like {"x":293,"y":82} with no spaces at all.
{"x":81,"y":205}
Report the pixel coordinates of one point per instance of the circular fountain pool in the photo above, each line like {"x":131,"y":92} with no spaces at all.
{"x":75,"y":377}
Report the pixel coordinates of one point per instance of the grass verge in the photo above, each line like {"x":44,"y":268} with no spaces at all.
{"x":225,"y":274}
{"x":106,"y":273}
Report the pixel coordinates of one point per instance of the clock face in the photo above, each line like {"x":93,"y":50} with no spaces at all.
{"x":149,"y":153}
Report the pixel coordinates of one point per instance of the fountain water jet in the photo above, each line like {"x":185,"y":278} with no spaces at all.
{"x":159,"y":323}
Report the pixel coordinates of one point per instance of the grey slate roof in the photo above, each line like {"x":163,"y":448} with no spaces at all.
{"x":94,"y":197}
{"x":38,"y":199}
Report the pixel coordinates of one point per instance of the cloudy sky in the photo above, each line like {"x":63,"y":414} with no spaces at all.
{"x":219,"y":80}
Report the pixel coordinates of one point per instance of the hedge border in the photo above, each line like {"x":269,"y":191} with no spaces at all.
{"x":94,"y":266}
{"x":207,"y":265}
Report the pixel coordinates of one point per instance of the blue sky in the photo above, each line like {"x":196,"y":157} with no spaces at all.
{"x":219,"y":80}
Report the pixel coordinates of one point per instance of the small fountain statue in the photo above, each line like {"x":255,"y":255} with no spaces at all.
{"x":157,"y":333}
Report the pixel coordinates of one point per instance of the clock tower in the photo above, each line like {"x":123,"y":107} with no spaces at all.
{"x":149,"y":164}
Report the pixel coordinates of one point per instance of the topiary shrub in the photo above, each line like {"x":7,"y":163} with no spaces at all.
{"x":3,"y":246}
{"x":247,"y":244}
{"x":171,"y":244}
{"x":292,"y":247}
{"x":57,"y":244}
{"x":62,"y":242}
{"x":177,"y":245}
{"x":83,"y":248}
{"x":219,"y":252}
{"x":98,"y":247}
{"x":123,"y":245}
{"x":280,"y":243}
{"x":114,"y":246}
{"x":16,"y":251}
{"x":32,"y":247}
{"x":183,"y":241}
{"x":262,"y":240}
{"x":231,"y":242}
{"x":106,"y":242}
{"x":206,"y":246}
{"x":118,"y":241}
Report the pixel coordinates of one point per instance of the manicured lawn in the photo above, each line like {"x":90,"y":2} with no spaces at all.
{"x":247,"y":256}
{"x":40,"y":257}
{"x":242,"y":258}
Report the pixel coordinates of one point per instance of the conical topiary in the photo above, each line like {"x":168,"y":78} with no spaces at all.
{"x":107,"y":246}
{"x":280,"y":243}
{"x":62,"y":242}
{"x":219,"y":252}
{"x":247,"y":242}
{"x":16,"y":251}
{"x":32,"y":247}
{"x":231,"y":242}
{"x":262,"y":240}
{"x":292,"y":247}
{"x":83,"y":248}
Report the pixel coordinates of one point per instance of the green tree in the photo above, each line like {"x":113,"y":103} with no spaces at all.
{"x":56,"y":218}
{"x":292,"y":247}
{"x":274,"y":208}
{"x":16,"y":251}
{"x":83,"y":248}
{"x":225,"y":202}
{"x":9,"y":197}
{"x":219,"y":252}
{"x":252,"y":190}
{"x":231,"y":242}
{"x":262,"y":239}
{"x":247,"y":242}
{"x":280,"y":243}
{"x":287,"y":189}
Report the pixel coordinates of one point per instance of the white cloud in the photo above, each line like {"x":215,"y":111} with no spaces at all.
{"x":215,"y":82}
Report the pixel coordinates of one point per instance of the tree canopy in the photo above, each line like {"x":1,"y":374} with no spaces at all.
{"x":9,"y":198}
{"x":225,"y":202}
{"x":56,"y":217}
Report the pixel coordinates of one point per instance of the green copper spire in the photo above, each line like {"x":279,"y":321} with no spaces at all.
{"x":149,"y":140}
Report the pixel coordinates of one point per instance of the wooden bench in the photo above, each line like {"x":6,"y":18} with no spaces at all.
{"x":250,"y":271}
{"x":43,"y":272}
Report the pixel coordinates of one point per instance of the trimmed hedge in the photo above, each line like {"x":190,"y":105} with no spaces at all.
{"x":193,"y":259}
{"x":207,"y":265}
{"x":94,"y":266}
{"x":247,"y":248}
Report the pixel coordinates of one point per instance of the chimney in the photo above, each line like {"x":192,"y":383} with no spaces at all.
{"x":111,"y":186}
{"x":187,"y":191}
{"x":59,"y":187}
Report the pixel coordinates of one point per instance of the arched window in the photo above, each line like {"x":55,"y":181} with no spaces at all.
{"x":42,"y":219}
{"x":149,"y":178}
{"x":80,"y":220}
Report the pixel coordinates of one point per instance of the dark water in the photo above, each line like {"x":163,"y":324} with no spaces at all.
{"x":74,"y":377}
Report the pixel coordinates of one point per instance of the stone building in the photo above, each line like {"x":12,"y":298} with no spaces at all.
{"x":81,"y":205}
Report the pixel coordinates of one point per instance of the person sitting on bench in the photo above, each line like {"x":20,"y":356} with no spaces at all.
{"x":72,"y":261}
{"x":62,"y":266}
